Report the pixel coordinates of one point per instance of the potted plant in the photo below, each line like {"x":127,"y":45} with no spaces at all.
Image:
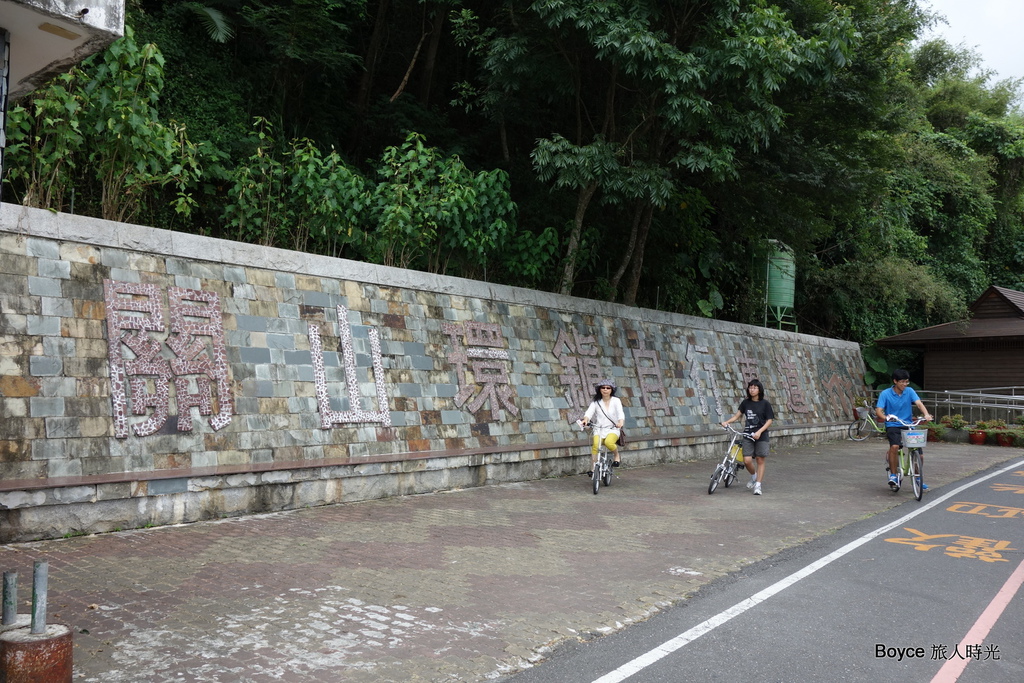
{"x":997,"y":432}
{"x":976,"y":434}
{"x":956,"y":428}
{"x":936,"y":430}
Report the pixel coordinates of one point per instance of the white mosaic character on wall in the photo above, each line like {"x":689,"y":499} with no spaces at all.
{"x":355,"y":415}
{"x":142,"y":379}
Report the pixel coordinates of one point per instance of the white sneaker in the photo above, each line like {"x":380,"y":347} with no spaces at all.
{"x":752,"y":482}
{"x":757,"y":489}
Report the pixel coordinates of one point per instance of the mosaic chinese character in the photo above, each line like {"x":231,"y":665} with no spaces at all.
{"x":578,"y":357}
{"x":355,"y":414}
{"x":479,"y":348}
{"x":140,"y":374}
{"x":796,"y":401}
{"x":692,"y":352}
{"x":836,"y":384}
{"x":648,"y":372}
{"x":748,"y":368}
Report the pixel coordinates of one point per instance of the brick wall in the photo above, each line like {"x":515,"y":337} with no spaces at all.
{"x":151,"y":377}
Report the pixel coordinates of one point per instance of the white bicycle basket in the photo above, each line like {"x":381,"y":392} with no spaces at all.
{"x":915,"y":438}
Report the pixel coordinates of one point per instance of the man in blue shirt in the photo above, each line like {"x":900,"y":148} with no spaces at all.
{"x":899,"y":400}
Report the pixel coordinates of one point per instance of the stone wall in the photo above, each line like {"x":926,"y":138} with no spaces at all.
{"x":153,"y":377}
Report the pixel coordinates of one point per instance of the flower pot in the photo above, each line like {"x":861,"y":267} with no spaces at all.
{"x":976,"y":437}
{"x":1004,"y":438}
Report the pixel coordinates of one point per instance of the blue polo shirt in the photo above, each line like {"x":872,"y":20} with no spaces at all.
{"x":900,"y":405}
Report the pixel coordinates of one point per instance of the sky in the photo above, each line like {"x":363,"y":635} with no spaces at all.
{"x":992,"y":27}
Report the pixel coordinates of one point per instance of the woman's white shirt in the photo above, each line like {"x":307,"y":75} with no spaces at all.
{"x":604,"y":424}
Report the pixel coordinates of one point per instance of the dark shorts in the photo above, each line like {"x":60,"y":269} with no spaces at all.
{"x":758,"y":449}
{"x":895,"y":435}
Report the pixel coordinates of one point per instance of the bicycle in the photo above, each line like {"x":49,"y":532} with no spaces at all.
{"x":864,"y":426}
{"x":726,"y":470}
{"x":603,"y":467}
{"x":910,"y":454}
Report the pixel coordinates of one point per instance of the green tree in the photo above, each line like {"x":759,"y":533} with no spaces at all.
{"x":99,"y":125}
{"x":647,"y":96}
{"x":293,"y":196}
{"x":429,"y":208}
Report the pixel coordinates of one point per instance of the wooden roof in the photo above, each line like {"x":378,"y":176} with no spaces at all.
{"x":997,"y":314}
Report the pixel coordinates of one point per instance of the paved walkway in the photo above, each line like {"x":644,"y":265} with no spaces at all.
{"x":454,"y":586}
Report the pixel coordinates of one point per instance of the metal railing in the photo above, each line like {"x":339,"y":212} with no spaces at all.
{"x":994,"y":403}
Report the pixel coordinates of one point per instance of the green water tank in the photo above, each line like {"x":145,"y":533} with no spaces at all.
{"x":781,"y":275}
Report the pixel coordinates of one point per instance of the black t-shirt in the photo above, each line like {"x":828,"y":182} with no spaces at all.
{"x":756,"y":414}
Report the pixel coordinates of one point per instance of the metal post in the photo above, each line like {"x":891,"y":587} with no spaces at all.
{"x":39,"y":577}
{"x":10,"y":598}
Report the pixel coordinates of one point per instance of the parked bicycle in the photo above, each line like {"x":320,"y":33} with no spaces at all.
{"x":864,"y":426}
{"x":725,"y":473}
{"x":910,"y":454}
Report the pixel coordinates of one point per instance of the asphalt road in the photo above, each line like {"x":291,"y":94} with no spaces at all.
{"x":927,"y":591}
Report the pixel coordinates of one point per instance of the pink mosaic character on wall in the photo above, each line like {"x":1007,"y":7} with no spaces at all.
{"x":748,"y":368}
{"x":693,"y":351}
{"x":140,"y":374}
{"x":836,"y":384}
{"x":578,"y":356}
{"x":648,"y":372}
{"x":796,"y":403}
{"x":356,"y":414}
{"x":480,"y":349}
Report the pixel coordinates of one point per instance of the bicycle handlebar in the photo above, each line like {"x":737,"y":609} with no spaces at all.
{"x":730,"y":428}
{"x":913,"y":423}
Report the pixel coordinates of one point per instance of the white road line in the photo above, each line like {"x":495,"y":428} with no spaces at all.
{"x":669,"y":646}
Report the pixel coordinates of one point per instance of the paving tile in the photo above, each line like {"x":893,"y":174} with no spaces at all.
{"x":464,"y":585}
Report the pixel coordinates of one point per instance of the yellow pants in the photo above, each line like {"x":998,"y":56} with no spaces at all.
{"x":610,"y":442}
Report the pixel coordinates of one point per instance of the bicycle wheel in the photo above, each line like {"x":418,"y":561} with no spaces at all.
{"x":730,"y":476}
{"x":596,"y":477}
{"x":915,"y":472}
{"x":715,"y":478}
{"x":859,"y":430}
{"x":607,"y":478}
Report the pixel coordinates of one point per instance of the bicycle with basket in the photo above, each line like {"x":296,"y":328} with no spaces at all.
{"x":910,"y":454}
{"x":864,"y":426}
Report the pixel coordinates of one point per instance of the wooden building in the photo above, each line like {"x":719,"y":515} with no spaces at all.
{"x":985,"y":351}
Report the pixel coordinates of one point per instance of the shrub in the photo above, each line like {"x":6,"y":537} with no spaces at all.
{"x":957,"y":421}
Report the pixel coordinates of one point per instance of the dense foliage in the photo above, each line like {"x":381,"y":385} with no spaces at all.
{"x":642,"y":151}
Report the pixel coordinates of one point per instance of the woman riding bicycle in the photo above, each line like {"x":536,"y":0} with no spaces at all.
{"x":606,"y":414}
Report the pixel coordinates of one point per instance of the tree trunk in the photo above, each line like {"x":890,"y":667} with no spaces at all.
{"x":572,"y":251}
{"x":362,"y":100}
{"x":642,"y":212}
{"x":408,"y":72}
{"x":638,"y":260}
{"x":431,"y":59}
